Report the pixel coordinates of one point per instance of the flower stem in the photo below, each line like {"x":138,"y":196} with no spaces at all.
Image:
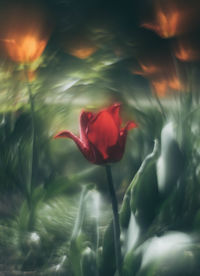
{"x":33,"y":149}
{"x":116,"y":226}
{"x":80,"y":215}
{"x":160,"y":106}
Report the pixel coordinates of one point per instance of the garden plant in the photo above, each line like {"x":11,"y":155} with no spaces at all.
{"x":121,"y":195}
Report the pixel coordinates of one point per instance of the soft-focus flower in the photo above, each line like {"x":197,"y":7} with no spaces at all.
{"x":25,"y":48}
{"x":102,"y":139}
{"x":162,"y":75}
{"x":79,"y":46}
{"x":82,"y":51}
{"x":154,"y":64}
{"x":166,"y":24}
{"x":186,"y":51}
{"x":163,"y":86}
{"x":147,"y":69}
{"x":26,"y":34}
{"x":170,"y":18}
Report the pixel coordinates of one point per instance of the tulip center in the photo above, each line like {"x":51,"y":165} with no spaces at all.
{"x":103,"y":132}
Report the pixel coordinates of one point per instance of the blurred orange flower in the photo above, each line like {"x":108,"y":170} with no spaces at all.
{"x":171,"y":18}
{"x":159,"y":87}
{"x":155,"y":65}
{"x":25,"y":48}
{"x":186,"y":52}
{"x":26,"y":34}
{"x":175,"y":83}
{"x":82,"y":51}
{"x":147,"y":69}
{"x":165,"y":23}
{"x":161,"y":73}
{"x":162,"y":86}
{"x":80,"y":47}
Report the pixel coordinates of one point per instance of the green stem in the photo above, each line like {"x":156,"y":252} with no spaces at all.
{"x":116,"y":226}
{"x":74,"y":246}
{"x":160,"y":106}
{"x":33,"y":149}
{"x":80,"y":216}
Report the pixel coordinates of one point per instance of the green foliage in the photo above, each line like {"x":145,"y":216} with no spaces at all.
{"x":132,"y":262}
{"x":125,"y":211}
{"x":107,"y":253}
{"x":144,"y":197}
{"x":88,"y":262}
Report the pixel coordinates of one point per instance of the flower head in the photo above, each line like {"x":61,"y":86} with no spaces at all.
{"x":102,"y":139}
{"x":171,"y":18}
{"x":26,"y":33}
{"x":25,"y":48}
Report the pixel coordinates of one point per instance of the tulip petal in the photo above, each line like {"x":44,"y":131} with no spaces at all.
{"x":63,"y":134}
{"x":116,"y":152}
{"x":85,"y":117}
{"x":103,"y":132}
{"x":67,"y":134}
{"x":130,"y":124}
{"x":88,"y":150}
{"x":114,"y":110}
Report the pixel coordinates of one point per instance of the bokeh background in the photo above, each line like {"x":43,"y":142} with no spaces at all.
{"x":60,"y":57}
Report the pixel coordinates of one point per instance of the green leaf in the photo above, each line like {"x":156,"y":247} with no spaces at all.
{"x":88,"y":262}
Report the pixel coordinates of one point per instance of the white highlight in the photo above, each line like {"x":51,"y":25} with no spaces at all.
{"x":167,"y":136}
{"x":34,"y":237}
{"x":94,"y":203}
{"x":166,"y":245}
{"x":131,"y":234}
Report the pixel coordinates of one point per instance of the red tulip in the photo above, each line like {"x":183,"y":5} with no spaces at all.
{"x":102,"y":140}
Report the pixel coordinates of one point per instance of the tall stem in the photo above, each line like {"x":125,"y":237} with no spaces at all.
{"x":33,"y":152}
{"x":80,"y":215}
{"x":116,"y":226}
{"x":160,"y":105}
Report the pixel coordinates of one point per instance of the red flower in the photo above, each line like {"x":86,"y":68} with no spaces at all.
{"x":102,"y":140}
